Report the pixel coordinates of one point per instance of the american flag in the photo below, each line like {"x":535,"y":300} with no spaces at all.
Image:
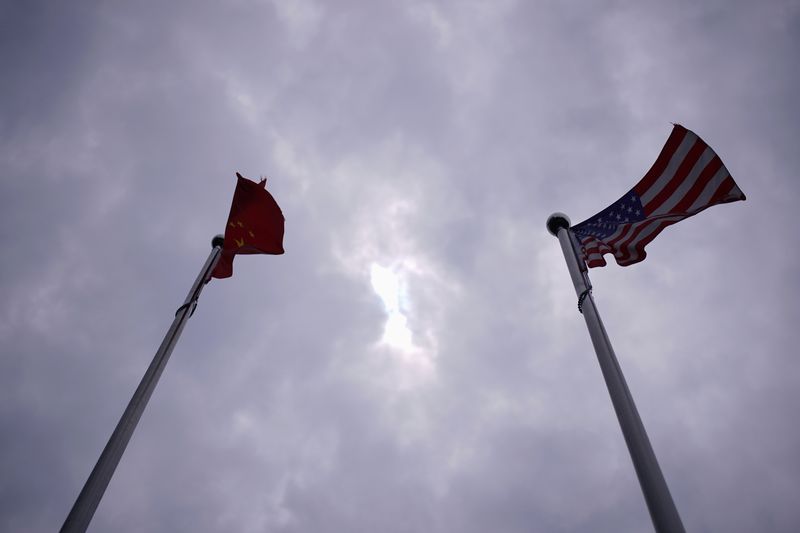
{"x":686,"y":178}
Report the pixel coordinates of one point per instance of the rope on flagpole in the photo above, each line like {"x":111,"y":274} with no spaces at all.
{"x":582,"y":297}
{"x":192,"y":304}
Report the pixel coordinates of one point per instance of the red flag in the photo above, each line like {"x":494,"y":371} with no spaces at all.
{"x":255,"y":225}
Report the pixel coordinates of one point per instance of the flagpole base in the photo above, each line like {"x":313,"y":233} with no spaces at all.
{"x":218,"y":240}
{"x":557,"y":221}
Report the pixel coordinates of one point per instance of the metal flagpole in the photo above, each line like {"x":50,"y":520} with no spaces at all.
{"x":656,"y":493}
{"x":86,"y":504}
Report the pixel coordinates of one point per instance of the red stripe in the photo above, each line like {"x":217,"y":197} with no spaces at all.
{"x":674,"y":141}
{"x":623,"y":249}
{"x":604,"y":247}
{"x":702,"y":180}
{"x":631,"y":259}
{"x":724,"y":189}
{"x":596,"y":263}
{"x":597,"y":250}
{"x":593,"y":250}
{"x":632,"y":242}
{"x":612,"y":243}
{"x":680,"y":175}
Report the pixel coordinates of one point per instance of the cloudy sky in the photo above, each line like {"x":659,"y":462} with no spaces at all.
{"x":415,"y":362}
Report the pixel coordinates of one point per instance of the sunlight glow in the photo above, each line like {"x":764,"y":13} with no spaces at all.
{"x":386,"y":284}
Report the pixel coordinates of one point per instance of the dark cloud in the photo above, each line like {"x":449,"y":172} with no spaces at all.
{"x":426,"y":142}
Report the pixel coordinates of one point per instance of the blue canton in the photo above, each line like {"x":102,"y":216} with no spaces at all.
{"x":627,"y":209}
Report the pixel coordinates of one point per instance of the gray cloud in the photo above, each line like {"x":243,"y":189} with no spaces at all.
{"x":430,"y":140}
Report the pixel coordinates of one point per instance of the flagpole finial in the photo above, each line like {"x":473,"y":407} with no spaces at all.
{"x":556,"y":221}
{"x":218,"y":240}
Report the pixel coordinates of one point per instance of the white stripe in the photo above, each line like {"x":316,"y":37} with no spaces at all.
{"x":630,"y":243}
{"x":601,"y":249}
{"x":620,"y":246}
{"x":672,"y":167}
{"x":620,"y":227}
{"x":629,"y":248}
{"x":711,"y":188}
{"x":618,"y":232}
{"x":594,"y":249}
{"x":687,"y":183}
{"x":595,"y":258}
{"x":593,"y":243}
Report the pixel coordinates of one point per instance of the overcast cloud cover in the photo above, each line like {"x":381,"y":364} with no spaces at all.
{"x":416,"y":361}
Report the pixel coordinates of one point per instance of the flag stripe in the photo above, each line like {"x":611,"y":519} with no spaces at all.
{"x":724,"y":190}
{"x":620,"y":250}
{"x":683,"y":189}
{"x":708,"y":174}
{"x":673,"y":142}
{"x":595,"y":256}
{"x":632,"y":251}
{"x":622,"y":233}
{"x":708,"y":191}
{"x":647,"y":194}
{"x":680,"y":177}
{"x":645,"y":240}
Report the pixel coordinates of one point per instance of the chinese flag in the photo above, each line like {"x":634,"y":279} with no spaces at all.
{"x":255,"y":225}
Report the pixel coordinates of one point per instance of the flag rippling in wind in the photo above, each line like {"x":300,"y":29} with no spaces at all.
{"x":255,"y":225}
{"x":687,"y":177}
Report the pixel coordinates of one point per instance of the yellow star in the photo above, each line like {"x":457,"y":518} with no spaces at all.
{"x":239,"y":242}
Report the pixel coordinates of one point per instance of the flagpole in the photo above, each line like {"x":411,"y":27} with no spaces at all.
{"x":659,"y":501}
{"x":84,"y":508}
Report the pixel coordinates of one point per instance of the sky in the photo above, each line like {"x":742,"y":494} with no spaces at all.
{"x":415,"y":362}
